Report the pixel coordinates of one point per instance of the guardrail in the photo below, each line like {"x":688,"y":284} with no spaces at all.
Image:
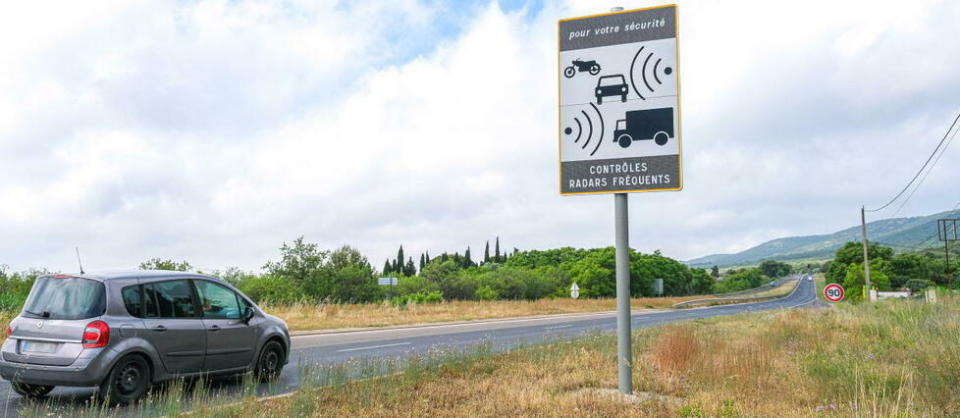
{"x":728,"y":300}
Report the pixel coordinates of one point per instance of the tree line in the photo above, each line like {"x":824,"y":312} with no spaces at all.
{"x":888,"y":270}
{"x":304,"y":272}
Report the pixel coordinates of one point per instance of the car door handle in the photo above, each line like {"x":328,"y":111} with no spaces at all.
{"x":214,"y":328}
{"x":160,"y":328}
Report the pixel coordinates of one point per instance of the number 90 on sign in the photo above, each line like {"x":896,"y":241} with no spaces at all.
{"x":833,"y":292}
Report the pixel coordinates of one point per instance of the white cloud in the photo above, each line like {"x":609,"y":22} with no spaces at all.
{"x":214,"y":131}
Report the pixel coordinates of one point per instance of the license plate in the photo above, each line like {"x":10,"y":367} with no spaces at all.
{"x":37,"y":347}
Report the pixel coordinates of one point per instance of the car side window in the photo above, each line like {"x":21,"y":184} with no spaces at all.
{"x":218,"y":302}
{"x":174,"y":299}
{"x":133,"y":300}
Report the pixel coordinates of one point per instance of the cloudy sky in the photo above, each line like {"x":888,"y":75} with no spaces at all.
{"x":214,"y":131}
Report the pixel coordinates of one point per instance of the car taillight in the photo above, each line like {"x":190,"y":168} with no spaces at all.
{"x":9,"y":330}
{"x":96,"y":335}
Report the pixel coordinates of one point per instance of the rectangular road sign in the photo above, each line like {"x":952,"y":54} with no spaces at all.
{"x":620,"y":102}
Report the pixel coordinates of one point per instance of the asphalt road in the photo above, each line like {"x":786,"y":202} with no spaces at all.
{"x":372,"y":346}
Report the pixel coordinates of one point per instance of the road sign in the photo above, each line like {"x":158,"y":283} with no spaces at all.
{"x":620,"y":102}
{"x":387,"y":281}
{"x":833,"y":292}
{"x":574,"y":291}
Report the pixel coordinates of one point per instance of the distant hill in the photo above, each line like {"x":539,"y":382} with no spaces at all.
{"x":899,"y":233}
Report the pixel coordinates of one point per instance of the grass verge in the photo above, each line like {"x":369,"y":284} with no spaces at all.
{"x":893,"y":358}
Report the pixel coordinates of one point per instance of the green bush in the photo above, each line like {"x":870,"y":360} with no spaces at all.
{"x":416,"y":298}
{"x":741,"y":280}
{"x":486,"y":292}
{"x":269,"y":288}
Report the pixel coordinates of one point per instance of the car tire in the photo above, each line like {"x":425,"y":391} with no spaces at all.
{"x":624,"y":140}
{"x":599,"y":100}
{"x":270,"y":361}
{"x":623,"y":98}
{"x":31,"y":391}
{"x":127,"y":382}
{"x":661,"y":138}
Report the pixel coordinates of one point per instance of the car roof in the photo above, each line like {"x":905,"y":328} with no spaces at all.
{"x":135,"y":274}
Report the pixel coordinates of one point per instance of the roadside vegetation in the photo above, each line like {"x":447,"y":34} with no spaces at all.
{"x":893,"y":358}
{"x":313,"y":288}
{"x":913,"y":271}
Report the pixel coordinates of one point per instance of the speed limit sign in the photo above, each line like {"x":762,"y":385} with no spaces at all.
{"x":833,"y":292}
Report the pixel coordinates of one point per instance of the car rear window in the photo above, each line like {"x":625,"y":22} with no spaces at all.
{"x":65,"y":298}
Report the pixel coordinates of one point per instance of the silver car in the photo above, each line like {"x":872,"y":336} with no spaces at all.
{"x":125,"y":331}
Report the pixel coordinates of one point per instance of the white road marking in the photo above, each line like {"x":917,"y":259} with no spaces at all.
{"x":559,"y":326}
{"x":370,"y":347}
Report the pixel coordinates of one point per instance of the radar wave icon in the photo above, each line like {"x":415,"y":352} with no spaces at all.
{"x":587,"y":127}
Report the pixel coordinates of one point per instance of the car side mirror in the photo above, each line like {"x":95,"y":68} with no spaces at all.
{"x":248,"y":314}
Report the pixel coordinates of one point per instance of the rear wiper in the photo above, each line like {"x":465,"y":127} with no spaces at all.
{"x":44,"y":314}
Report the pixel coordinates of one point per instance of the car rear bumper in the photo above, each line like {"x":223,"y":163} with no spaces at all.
{"x":49,"y":375}
{"x":87,"y":370}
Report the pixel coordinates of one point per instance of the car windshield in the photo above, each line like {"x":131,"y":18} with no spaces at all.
{"x":65,"y":298}
{"x":612,"y":80}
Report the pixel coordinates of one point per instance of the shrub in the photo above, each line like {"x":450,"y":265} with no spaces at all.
{"x":416,"y":298}
{"x":270,"y":288}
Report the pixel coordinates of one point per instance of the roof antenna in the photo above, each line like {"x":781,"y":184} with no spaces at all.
{"x":78,"y":260}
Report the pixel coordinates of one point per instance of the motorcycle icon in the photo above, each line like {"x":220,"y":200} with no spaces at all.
{"x":579,"y":65}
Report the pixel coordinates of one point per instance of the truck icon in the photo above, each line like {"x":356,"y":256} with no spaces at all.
{"x":655,"y":124}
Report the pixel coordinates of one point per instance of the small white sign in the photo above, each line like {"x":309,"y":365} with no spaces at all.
{"x":387,"y":281}
{"x":574,"y":291}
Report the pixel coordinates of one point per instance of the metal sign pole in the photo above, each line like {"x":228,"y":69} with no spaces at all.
{"x":618,"y":84}
{"x":624,"y":349}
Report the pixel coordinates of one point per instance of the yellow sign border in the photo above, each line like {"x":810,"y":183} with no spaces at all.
{"x":676,"y":21}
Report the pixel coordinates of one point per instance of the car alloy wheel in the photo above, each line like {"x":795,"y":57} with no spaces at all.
{"x":270,"y":363}
{"x":127,"y":382}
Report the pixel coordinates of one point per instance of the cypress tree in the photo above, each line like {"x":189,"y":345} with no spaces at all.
{"x":486,"y":253}
{"x":409,"y":269}
{"x":422,"y":262}
{"x":399,"y":265}
{"x":467,"y":262}
{"x":386,"y":267}
{"x":496,"y":252}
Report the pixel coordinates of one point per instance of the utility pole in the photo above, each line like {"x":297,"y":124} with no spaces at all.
{"x":946,"y":256}
{"x":866,"y":258}
{"x":947,"y":230}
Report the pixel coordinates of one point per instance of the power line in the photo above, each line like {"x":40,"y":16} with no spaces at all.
{"x":925,"y":164}
{"x":924,"y":178}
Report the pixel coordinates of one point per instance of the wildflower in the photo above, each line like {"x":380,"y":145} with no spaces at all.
{"x":832,"y":406}
{"x":820,"y":408}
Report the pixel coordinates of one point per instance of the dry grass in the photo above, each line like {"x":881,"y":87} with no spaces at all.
{"x":304,"y":316}
{"x":896,"y":358}
{"x":5,"y":317}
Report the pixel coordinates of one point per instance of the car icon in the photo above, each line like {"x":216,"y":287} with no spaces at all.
{"x":611,"y":85}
